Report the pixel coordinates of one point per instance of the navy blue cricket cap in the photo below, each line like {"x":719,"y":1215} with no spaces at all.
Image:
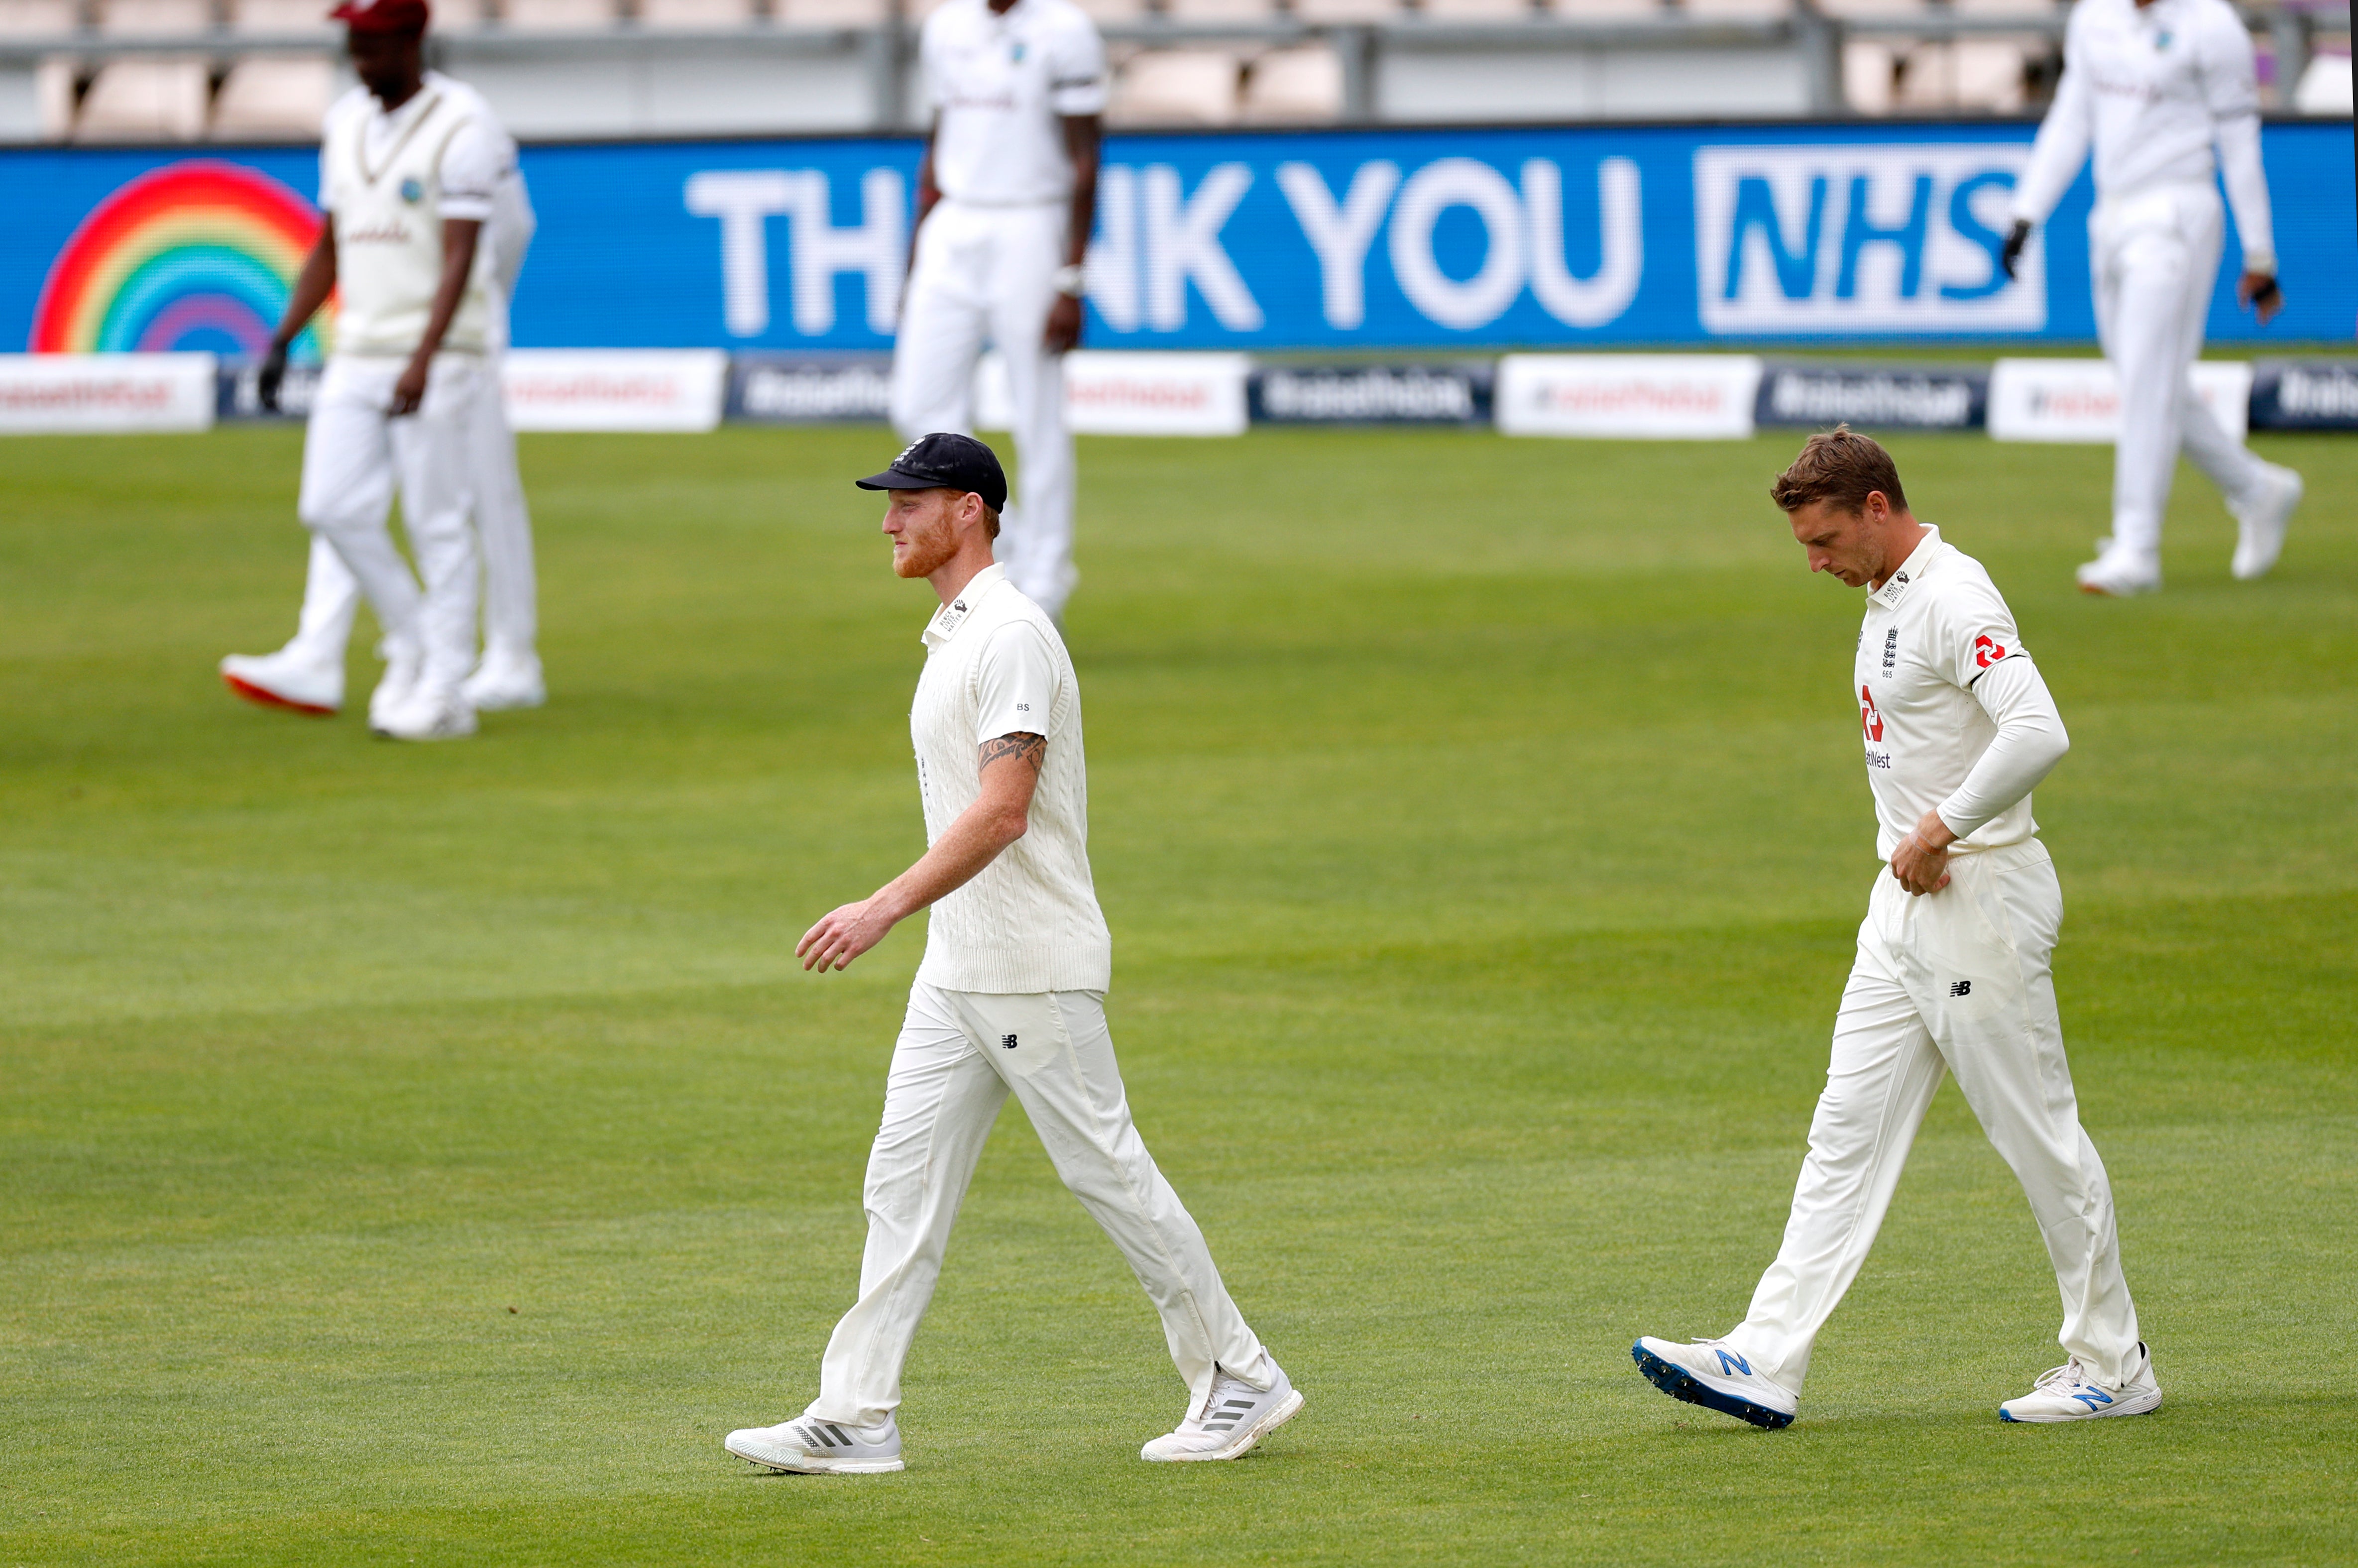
{"x":944,"y":461}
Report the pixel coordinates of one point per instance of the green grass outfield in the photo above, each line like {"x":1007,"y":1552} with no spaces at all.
{"x":425,"y":1154}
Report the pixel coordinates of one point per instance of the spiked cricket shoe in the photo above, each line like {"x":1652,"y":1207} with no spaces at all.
{"x":429,"y":713}
{"x":2116,"y":573}
{"x":1710,"y":1373}
{"x":506,"y":680}
{"x":1233,"y":1418}
{"x":810,"y":1446}
{"x":2070,"y":1393}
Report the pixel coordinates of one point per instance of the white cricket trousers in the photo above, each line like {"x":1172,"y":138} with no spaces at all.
{"x":353,"y":454}
{"x":2155,"y":256}
{"x":990,"y":273}
{"x":1954,"y":981}
{"x":959,"y":1055}
{"x":502,"y":537}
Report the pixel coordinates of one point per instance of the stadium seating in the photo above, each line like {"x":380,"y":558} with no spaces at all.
{"x":38,"y":18}
{"x":153,"y":100}
{"x":1218,"y":11}
{"x":1301,"y":85}
{"x":2325,"y":87}
{"x":831,"y":13}
{"x":1458,"y":11}
{"x":155,"y":18}
{"x":1114,"y":13}
{"x":284,"y":17}
{"x":693,"y":16}
{"x":558,"y":15}
{"x":274,"y":100}
{"x":1332,"y":11}
{"x":1176,"y":87}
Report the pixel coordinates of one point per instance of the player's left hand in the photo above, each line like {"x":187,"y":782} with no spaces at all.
{"x":1921,"y":861}
{"x":2260,"y":291}
{"x":842,"y":934}
{"x":1063,"y":333}
{"x":409,"y":392}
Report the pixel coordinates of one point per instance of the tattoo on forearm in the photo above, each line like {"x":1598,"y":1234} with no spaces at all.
{"x":1029,"y":750}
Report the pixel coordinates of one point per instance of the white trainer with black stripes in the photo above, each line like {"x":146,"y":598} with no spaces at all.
{"x":1233,"y":1417}
{"x":810,"y":1446}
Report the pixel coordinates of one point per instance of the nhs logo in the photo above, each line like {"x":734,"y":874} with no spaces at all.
{"x":1837,"y":237}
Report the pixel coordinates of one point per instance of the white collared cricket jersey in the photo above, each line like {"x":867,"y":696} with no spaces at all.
{"x":1028,"y":922}
{"x":1933,"y":632}
{"x":387,"y":180}
{"x":999,"y":82}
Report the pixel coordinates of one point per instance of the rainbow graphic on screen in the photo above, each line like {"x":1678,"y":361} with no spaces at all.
{"x":199,"y":254}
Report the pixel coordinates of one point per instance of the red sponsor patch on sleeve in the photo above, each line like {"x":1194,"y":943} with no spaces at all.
{"x":1988,"y":651}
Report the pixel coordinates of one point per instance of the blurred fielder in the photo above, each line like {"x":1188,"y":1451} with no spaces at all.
{"x":1952,"y":969}
{"x":1006,"y":198}
{"x":1010,"y":998}
{"x":428,"y":222}
{"x":2166,"y":91}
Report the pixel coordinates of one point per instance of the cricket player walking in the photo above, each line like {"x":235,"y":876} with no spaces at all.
{"x":412,"y":168}
{"x":1006,"y":198}
{"x":2167,"y":92}
{"x":1009,"y":998}
{"x":1953,"y":972}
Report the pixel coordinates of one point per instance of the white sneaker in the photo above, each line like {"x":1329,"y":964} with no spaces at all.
{"x":2070,"y":1393}
{"x":809,"y":1446}
{"x":2116,"y":573}
{"x":427,"y":714}
{"x":404,"y":665}
{"x":285,"y":679}
{"x":1235,"y":1416}
{"x":2261,"y":521}
{"x":1710,"y":1373}
{"x":506,"y":680}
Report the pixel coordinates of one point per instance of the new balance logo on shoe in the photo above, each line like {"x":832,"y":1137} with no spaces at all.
{"x":1962,"y":988}
{"x":1007,"y":1043}
{"x":2092,"y":1397}
{"x":1730,"y":1361}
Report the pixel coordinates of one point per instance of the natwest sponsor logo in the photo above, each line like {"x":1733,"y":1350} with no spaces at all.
{"x":1840,"y":237}
{"x":614,"y":389}
{"x":1869,"y":720}
{"x":1658,"y":397}
{"x":2080,"y":400}
{"x":1132,"y":393}
{"x":98,"y":392}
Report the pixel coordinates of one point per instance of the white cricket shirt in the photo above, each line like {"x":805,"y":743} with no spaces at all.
{"x":387,"y":180}
{"x":2155,"y":89}
{"x":997,"y":84}
{"x":1029,"y":921}
{"x":1953,"y":714}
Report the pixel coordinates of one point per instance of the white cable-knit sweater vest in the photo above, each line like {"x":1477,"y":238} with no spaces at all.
{"x":389,"y":232}
{"x":1029,"y":921}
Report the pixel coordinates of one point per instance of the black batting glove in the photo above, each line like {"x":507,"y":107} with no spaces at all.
{"x":2011,"y":256}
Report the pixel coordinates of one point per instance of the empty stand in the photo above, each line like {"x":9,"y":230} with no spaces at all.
{"x":38,"y":18}
{"x":1341,"y":11}
{"x":832,"y":13}
{"x":1176,"y":87}
{"x":1301,"y":85}
{"x":155,"y":18}
{"x":287,"y":17}
{"x":558,"y":15}
{"x":1464,"y":11}
{"x":145,"y":101}
{"x":695,"y":16}
{"x":268,"y":100}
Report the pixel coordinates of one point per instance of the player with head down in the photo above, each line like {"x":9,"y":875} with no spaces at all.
{"x":1952,"y":973}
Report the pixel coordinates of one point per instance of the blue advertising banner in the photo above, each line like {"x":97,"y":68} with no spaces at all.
{"x":1554,"y":237}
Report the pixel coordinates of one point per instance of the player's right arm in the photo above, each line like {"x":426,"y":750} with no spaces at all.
{"x":929,"y":195}
{"x":1010,"y":766}
{"x":312,"y":287}
{"x":2231,"y":92}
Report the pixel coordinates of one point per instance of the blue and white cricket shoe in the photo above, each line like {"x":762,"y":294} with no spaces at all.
{"x":2070,"y":1393}
{"x":1235,"y":1416}
{"x":1710,"y":1373}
